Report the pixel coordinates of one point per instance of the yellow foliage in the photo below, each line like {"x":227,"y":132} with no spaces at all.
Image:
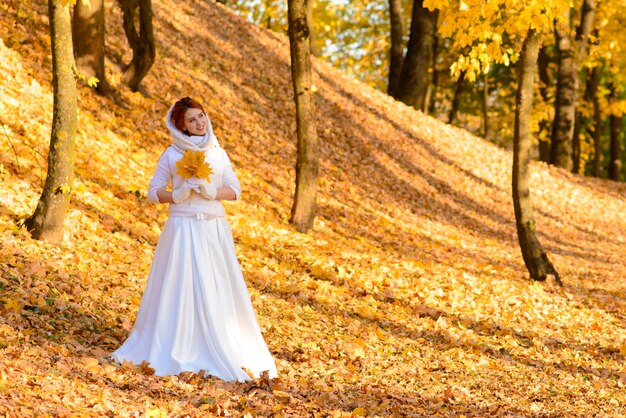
{"x":476,"y":28}
{"x":92,"y":81}
{"x":193,"y":164}
{"x":408,"y":298}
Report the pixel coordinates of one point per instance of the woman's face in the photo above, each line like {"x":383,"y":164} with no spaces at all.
{"x":195,"y":121}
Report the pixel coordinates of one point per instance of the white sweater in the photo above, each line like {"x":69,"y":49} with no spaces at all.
{"x":223,"y":175}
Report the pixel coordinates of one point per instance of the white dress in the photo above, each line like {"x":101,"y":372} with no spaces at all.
{"x":196,"y":312}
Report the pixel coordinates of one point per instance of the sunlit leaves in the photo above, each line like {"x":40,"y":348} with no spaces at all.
{"x":193,"y":164}
{"x":481,"y":25}
{"x":352,"y":35}
{"x":408,"y":298}
{"x":93,"y":82}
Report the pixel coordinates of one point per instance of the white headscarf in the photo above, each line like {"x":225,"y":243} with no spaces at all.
{"x":182,"y":142}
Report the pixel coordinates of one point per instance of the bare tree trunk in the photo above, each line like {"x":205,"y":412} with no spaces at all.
{"x":486,"y":106}
{"x":565,"y":104}
{"x":303,"y":209}
{"x":544,"y":125}
{"x":46,"y":222}
{"x":598,"y":123}
{"x":312,"y":33}
{"x":535,"y":258}
{"x":615,"y":149}
{"x":431,"y":100}
{"x":615,"y":166}
{"x":88,"y":39}
{"x":456,"y":100}
{"x":396,"y":53}
{"x":578,"y":127}
{"x":415,"y":75}
{"x":267,"y":14}
{"x":141,"y":40}
{"x":571,"y":53}
{"x":580,"y":123}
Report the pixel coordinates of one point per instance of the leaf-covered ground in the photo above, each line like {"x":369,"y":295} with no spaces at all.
{"x":409,"y":297}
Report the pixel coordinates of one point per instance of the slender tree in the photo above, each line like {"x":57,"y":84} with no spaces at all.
{"x":431,"y":96}
{"x":456,"y":99}
{"x":315,"y":51}
{"x":396,"y":52}
{"x":544,"y":84}
{"x":570,"y":55}
{"x":535,"y":258}
{"x":581,"y":121}
{"x":485,"y":104}
{"x":47,"y":221}
{"x":415,"y":75}
{"x":303,"y":209}
{"x":88,"y":40}
{"x":598,"y":123}
{"x":140,"y":35}
{"x":615,"y":134}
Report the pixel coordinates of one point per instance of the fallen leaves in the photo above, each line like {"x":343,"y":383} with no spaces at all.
{"x":409,"y":298}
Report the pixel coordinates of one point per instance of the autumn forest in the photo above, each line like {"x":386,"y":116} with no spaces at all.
{"x":432,"y":219}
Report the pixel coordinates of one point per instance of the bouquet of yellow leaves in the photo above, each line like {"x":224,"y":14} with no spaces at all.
{"x":193,"y":165}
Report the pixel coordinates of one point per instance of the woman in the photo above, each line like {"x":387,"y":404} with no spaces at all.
{"x":196,"y":312}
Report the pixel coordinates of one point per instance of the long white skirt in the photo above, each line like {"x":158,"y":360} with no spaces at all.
{"x":196,"y":312}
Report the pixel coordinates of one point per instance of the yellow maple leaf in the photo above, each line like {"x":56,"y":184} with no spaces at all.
{"x":155,"y":413}
{"x":13,"y":305}
{"x":93,"y":81}
{"x":359,"y":412}
{"x":193,"y":164}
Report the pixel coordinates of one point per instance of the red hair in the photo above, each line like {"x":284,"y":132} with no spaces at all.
{"x":178,"y":112}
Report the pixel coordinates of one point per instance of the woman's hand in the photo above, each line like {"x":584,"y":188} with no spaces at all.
{"x":203,"y":187}
{"x":182,"y":193}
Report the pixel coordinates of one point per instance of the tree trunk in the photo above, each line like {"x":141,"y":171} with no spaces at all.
{"x":266,"y":17}
{"x":615,"y":167}
{"x":535,"y":258}
{"x":580,"y":123}
{"x":578,"y":127}
{"x":88,"y":39}
{"x":615,"y":130}
{"x":544,"y":125}
{"x":140,"y":40}
{"x":565,"y":103}
{"x":415,"y":75}
{"x":312,"y":34}
{"x":46,"y":222}
{"x":303,"y":209}
{"x":396,"y":51}
{"x":431,"y":100}
{"x":456,"y":100}
{"x":598,"y":123}
{"x":267,"y":14}
{"x":570,"y":54}
{"x":486,"y":106}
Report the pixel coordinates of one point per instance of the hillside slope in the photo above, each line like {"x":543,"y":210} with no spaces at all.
{"x":409,"y":297}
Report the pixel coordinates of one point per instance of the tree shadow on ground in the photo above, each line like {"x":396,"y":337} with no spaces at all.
{"x":441,"y":341}
{"x":457,"y":196}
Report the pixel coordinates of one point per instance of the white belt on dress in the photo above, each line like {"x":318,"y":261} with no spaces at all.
{"x":199,"y":216}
